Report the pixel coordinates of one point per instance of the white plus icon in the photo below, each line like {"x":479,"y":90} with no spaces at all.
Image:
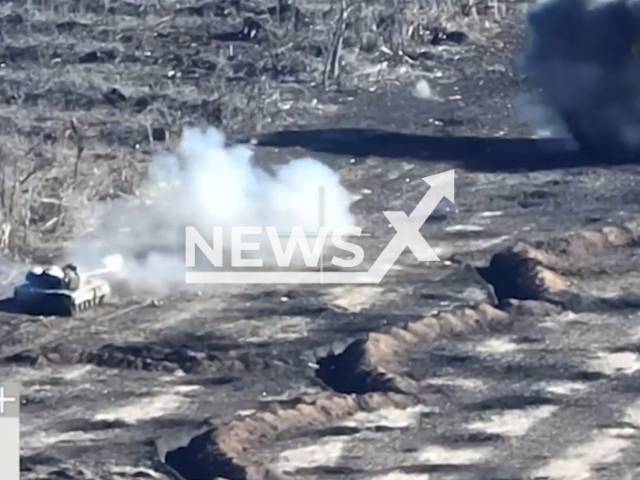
{"x":4,"y":399}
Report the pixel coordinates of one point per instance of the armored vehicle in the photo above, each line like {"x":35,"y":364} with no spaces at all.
{"x":59,"y":291}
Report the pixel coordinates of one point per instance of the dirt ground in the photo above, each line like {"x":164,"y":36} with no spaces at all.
{"x":90,"y":89}
{"x":516,"y":357}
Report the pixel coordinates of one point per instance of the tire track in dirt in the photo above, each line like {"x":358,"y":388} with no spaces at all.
{"x":368,"y":374}
{"x":150,"y":358}
{"x":54,"y":347}
{"x":26,"y":329}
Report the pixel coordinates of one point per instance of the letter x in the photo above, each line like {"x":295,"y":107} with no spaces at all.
{"x":408,"y":234}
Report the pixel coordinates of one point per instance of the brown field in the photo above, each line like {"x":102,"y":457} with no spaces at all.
{"x":516,"y":357}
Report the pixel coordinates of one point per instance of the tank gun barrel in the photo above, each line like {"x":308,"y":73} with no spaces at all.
{"x":113,"y":264}
{"x":99,"y":271}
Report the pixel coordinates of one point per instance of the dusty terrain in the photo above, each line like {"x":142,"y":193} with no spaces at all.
{"x":516,"y":357}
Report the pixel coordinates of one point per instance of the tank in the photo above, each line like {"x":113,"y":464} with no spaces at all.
{"x":59,"y":291}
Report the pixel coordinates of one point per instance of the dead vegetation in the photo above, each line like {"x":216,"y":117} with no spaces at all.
{"x":90,"y":87}
{"x":370,"y":372}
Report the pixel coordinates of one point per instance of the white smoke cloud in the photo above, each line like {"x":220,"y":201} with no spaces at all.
{"x":424,"y":91}
{"x":205,"y":184}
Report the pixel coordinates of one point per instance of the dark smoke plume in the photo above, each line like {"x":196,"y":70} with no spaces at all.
{"x":580,"y":55}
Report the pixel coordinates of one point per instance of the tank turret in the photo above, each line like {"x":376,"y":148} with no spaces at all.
{"x":63,"y":291}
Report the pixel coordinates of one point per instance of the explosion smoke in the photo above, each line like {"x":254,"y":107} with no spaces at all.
{"x":205,"y":184}
{"x":581,"y":55}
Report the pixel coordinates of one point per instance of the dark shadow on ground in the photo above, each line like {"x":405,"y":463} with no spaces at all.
{"x":8,"y":305}
{"x":35,"y":309}
{"x":482,"y":154}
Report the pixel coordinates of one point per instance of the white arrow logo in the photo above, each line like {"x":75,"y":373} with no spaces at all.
{"x":408,"y":228}
{"x":407,"y":235}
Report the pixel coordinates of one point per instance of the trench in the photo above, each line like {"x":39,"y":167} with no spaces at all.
{"x":372,"y":366}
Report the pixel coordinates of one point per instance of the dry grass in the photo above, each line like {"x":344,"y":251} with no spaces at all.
{"x":90,"y":88}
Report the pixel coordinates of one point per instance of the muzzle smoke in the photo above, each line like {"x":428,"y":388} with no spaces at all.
{"x":205,"y":184}
{"x":581,"y":56}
